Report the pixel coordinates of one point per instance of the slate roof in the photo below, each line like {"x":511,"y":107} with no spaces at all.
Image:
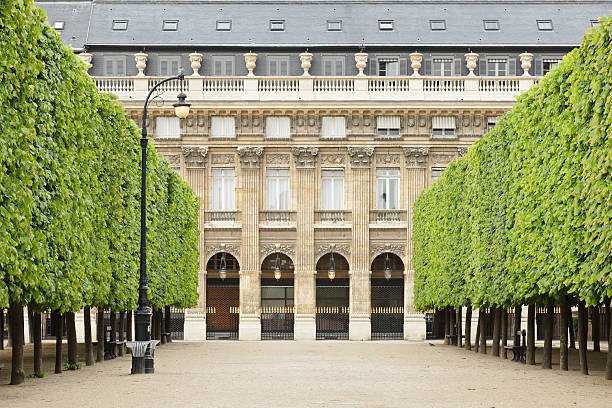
{"x":306,"y":22}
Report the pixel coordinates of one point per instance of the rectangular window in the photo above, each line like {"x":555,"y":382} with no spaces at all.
{"x":332,"y":190}
{"x":223,"y":126}
{"x":595,"y":23}
{"x":169,"y":65}
{"x":278,"y":127}
{"x":224,"y":25}
{"x":277,"y":25}
{"x":167,"y":127}
{"x":387,"y":189}
{"x":491,"y":25}
{"x":549,"y":63}
{"x":497,"y":67}
{"x":388,"y":125}
{"x":385,"y":25}
{"x":223,"y":65}
{"x":443,"y":66}
{"x":277,"y":191}
{"x":333,"y":65}
{"x":58,"y":25}
{"x":120,"y":25}
{"x":334,"y":25}
{"x":278,"y":65}
{"x":388,"y":66}
{"x":223,"y":189}
{"x":437,"y":25}
{"x":443,"y":126}
{"x":545,"y":25}
{"x":435,"y":174}
{"x":170,"y":25}
{"x":114,"y":65}
{"x":333,"y":127}
{"x":491,"y":122}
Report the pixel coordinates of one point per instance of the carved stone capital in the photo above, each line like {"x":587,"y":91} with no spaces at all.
{"x":305,"y":156}
{"x":250,"y":156}
{"x":360,"y":156}
{"x":416,"y":157}
{"x":195,"y":156}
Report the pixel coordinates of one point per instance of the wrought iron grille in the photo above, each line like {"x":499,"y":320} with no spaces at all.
{"x":387,"y":313}
{"x":222,"y":309}
{"x":277,"y":323}
{"x":177,"y":323}
{"x":332,"y":312}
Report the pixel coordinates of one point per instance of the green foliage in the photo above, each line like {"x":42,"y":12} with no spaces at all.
{"x":70,"y":185}
{"x":527,"y":213}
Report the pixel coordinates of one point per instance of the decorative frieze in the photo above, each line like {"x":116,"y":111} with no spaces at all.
{"x":386,"y":160}
{"x":222,"y":160}
{"x":360,"y":156}
{"x":416,"y":157}
{"x":333,"y":160}
{"x":195,"y":156}
{"x":394,"y":248}
{"x":277,"y":159}
{"x":342,"y":249}
{"x":267,"y":249}
{"x":250,"y":156}
{"x":305,"y":156}
{"x":174,"y":160}
{"x":233,"y":249}
{"x":442,"y":159}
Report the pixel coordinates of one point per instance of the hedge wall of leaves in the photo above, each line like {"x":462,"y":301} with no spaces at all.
{"x":70,"y":186}
{"x":526,"y":214}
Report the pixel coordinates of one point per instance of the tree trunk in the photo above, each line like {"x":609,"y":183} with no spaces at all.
{"x":548,"y":334}
{"x":482,"y":315}
{"x":89,"y":359}
{"x":72,"y":340}
{"x":100,"y":335}
{"x":129,"y":326}
{"x":518,"y":311}
{"x":167,"y":322}
{"x":459,"y":334}
{"x":446,"y":325}
{"x":16,"y":332}
{"x":162,"y":326}
{"x":468,"y":328}
{"x":583,"y":325}
{"x":531,"y":334}
{"x":477,"y":339}
{"x":496,"y":330}
{"x":563,"y":350}
{"x":595,"y":327}
{"x":113,"y":334}
{"x":504,"y":332}
{"x":609,"y":324}
{"x":1,"y":328}
{"x":30,"y":326}
{"x":159,"y":324}
{"x":59,"y":331}
{"x":121,"y":332}
{"x":37,"y":338}
{"x":570,"y":325}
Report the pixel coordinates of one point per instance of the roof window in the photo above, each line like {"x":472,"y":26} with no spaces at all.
{"x":277,"y":25}
{"x":58,"y":25}
{"x":385,"y":25}
{"x":595,"y":23}
{"x":170,"y":25}
{"x":491,"y":25}
{"x":224,"y":25}
{"x":120,"y":25}
{"x":437,"y":25}
{"x":334,"y":25}
{"x":545,"y":25}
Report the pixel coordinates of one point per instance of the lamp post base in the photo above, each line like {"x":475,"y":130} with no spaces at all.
{"x":138,"y":365}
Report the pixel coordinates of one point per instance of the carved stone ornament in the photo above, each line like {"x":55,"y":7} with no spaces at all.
{"x":86,"y":58}
{"x":471,"y":62}
{"x":387,"y":159}
{"x":442,"y":159}
{"x":333,"y":159}
{"x":416,"y":156}
{"x":250,"y":61}
{"x":250,"y":156}
{"x":174,"y":159}
{"x":361,"y":156}
{"x":222,"y":159}
{"x":462,"y":150}
{"x":233,"y":249}
{"x":277,"y":159}
{"x":141,"y":62}
{"x":306,"y":60}
{"x":305,"y":156}
{"x":397,"y":249}
{"x":526,"y":59}
{"x":342,"y":249}
{"x":196,"y":62}
{"x":267,"y":249}
{"x":195,"y":156}
{"x":416,"y":59}
{"x":361,"y":61}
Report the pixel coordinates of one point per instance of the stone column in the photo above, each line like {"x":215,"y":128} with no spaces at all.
{"x":305,"y":267}
{"x":415,"y":182}
{"x":250,"y":270}
{"x":359,"y":323}
{"x":195,"y":164}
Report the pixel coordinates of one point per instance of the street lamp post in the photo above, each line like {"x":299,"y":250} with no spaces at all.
{"x":142,"y":356}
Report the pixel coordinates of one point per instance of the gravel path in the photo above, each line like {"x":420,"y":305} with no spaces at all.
{"x":312,"y":374}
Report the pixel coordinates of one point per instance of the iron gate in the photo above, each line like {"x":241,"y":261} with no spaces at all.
{"x":387,"y":313}
{"x":277,"y":323}
{"x":332,"y":312}
{"x":222,"y":309}
{"x":177,"y":323}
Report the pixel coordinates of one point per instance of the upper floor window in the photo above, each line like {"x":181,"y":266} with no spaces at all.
{"x":223,"y":65}
{"x":387,"y":189}
{"x":443,"y":66}
{"x":491,"y":122}
{"x":114,"y":65}
{"x":223,"y":126}
{"x":170,"y":25}
{"x":277,"y":25}
{"x":333,"y":127}
{"x":491,"y":25}
{"x":278,"y":65}
{"x":169,"y":65}
{"x":385,"y":25}
{"x":388,"y":66}
{"x":435,"y":174}
{"x":443,"y":126}
{"x":277,"y":191}
{"x":278,"y":127}
{"x":549,"y":63}
{"x":223,"y":189}
{"x":167,"y":127}
{"x":437,"y":25}
{"x":332,"y":189}
{"x":595,"y":23}
{"x":497,"y":67}
{"x":545,"y":25}
{"x":334,"y":25}
{"x":388,"y":125}
{"x":333,"y":65}
{"x":120,"y":25}
{"x":224,"y":25}
{"x":58,"y":25}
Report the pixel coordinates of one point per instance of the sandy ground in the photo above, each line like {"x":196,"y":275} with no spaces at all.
{"x":312,"y":374}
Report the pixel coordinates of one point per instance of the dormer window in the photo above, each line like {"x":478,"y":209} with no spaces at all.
{"x":334,"y":25}
{"x":385,"y":25}
{"x":120,"y":25}
{"x":170,"y":25}
{"x":58,"y":25}
{"x":277,"y":25}
{"x":545,"y":25}
{"x":595,"y":23}
{"x":491,"y":25}
{"x":224,"y":25}
{"x":437,"y":25}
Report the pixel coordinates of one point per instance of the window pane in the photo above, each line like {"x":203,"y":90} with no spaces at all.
{"x":381,"y":195}
{"x":393,"y":193}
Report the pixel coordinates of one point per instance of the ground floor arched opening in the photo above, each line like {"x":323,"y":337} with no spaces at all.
{"x":277,"y":312}
{"x":387,"y":297}
{"x":332,"y":298}
{"x":222,"y":297}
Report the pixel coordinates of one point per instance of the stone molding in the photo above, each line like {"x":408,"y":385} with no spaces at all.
{"x":173,"y":159}
{"x":333,"y":160}
{"x":416,"y":157}
{"x":394,"y":248}
{"x":233,"y":249}
{"x":222,"y":159}
{"x":305,"y":156}
{"x":195,"y":156}
{"x":442,"y":159}
{"x":268,"y":249}
{"x":278,"y":159}
{"x":360,"y":156}
{"x":385,"y":160}
{"x":342,"y":249}
{"x":250,"y":156}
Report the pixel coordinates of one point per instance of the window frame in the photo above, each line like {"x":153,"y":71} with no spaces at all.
{"x":329,"y":22}
{"x":333,"y":59}
{"x":278,"y":126}
{"x":595,"y":23}
{"x":382,"y":23}
{"x":224,"y":59}
{"x":549,"y":60}
{"x":115,"y":24}
{"x":275,"y":22}
{"x":115,"y":58}
{"x":437,"y":58}
{"x":382,"y":59}
{"x":432,"y":22}
{"x":333,"y":137}
{"x":496,"y":61}
{"x":383,"y":175}
{"x":167,"y":135}
{"x":485,"y":22}
{"x":279,"y":59}
{"x":436,"y":169}
{"x":329,"y":204}
{"x":223,"y":126}
{"x":540,"y":28}
{"x":443,"y":132}
{"x":219,"y":22}
{"x":165,"y":28}
{"x":169,"y":59}
{"x":59,"y":25}
{"x":281,"y":197}
{"x":227,"y":181}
